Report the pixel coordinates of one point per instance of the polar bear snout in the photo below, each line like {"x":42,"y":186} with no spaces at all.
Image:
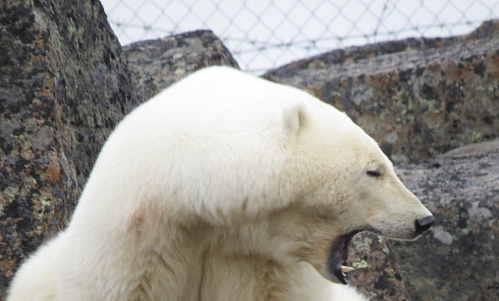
{"x":424,"y":224}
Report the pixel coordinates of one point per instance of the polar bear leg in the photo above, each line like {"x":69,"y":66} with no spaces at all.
{"x":37,"y":277}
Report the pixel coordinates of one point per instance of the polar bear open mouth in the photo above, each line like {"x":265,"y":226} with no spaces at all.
{"x":337,"y":260}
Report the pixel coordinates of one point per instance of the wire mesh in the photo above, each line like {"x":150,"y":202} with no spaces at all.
{"x":266,"y":34}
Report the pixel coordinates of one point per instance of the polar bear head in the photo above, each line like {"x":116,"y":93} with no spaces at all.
{"x":263,"y":169}
{"x":355,"y":189}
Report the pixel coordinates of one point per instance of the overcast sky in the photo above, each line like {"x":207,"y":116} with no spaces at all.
{"x":265,"y":34}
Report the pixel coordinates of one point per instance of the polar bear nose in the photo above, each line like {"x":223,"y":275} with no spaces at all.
{"x":424,"y":224}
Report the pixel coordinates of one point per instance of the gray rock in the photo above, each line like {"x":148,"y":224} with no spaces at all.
{"x":458,"y":259}
{"x":64,"y":84}
{"x":156,"y":64}
{"x":416,"y":97}
{"x":63,"y":87}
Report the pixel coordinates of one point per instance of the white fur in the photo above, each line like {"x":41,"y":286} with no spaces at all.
{"x":222,"y":187}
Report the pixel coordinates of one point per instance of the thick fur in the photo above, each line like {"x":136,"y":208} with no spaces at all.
{"x":223,"y":187}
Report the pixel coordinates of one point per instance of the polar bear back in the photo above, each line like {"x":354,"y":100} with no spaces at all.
{"x":222,"y":129}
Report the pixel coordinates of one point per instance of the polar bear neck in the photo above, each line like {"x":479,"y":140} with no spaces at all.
{"x":196,"y":261}
{"x":191,"y":267}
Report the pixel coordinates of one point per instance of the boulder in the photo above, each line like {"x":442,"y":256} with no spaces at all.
{"x":458,"y":259}
{"x":417,"y":97}
{"x":156,"y":64}
{"x":65,"y":83}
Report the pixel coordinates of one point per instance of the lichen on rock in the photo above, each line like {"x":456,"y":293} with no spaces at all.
{"x":63,"y":87}
{"x":434,"y":94}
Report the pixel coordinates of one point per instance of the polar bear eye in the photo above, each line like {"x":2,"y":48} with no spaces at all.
{"x":375,"y":173}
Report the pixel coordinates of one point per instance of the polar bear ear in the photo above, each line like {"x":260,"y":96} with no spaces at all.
{"x":294,"y":119}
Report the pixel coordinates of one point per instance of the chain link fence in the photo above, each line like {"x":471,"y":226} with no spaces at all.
{"x":266,"y":34}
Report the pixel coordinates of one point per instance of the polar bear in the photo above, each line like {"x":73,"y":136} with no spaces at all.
{"x":224,"y":186}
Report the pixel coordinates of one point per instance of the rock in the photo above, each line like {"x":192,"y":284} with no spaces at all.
{"x":416,"y":97}
{"x":156,"y":64}
{"x":458,"y":258}
{"x":64,"y":85}
{"x":377,"y":274}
